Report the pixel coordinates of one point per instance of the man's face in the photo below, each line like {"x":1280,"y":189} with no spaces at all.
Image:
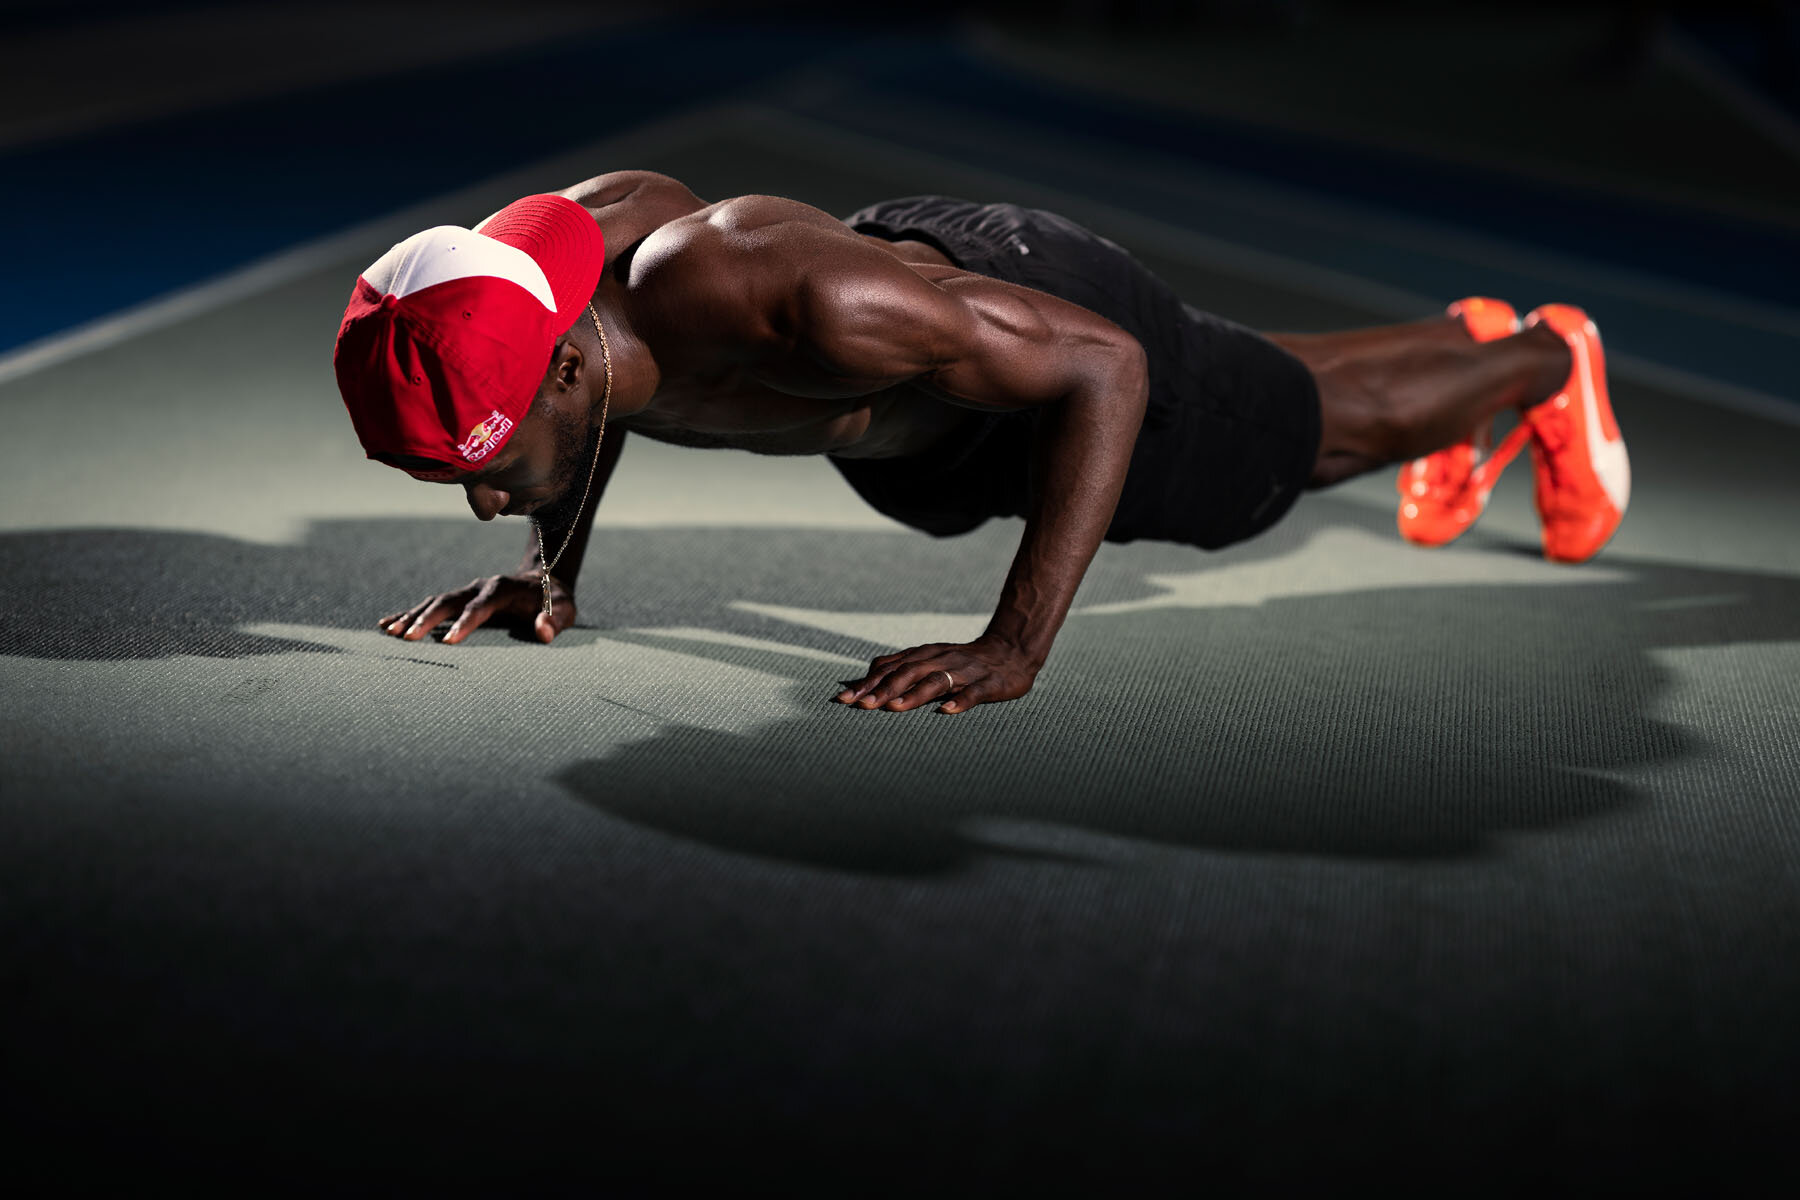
{"x":540,"y":470}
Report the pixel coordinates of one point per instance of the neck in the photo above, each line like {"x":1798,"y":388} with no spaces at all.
{"x":636,"y":375}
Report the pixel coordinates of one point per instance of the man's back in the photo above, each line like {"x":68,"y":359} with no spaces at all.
{"x":771,"y":326}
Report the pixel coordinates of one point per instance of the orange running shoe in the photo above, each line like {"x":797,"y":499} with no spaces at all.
{"x":1583,"y":473}
{"x":1442,"y":493}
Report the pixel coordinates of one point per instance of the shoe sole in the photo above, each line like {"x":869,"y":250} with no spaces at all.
{"x":1484,"y":319}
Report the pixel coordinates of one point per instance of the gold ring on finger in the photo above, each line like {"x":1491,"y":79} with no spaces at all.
{"x":949,"y":676}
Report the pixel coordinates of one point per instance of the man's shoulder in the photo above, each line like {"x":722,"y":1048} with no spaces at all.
{"x":745,"y":225}
{"x":740,"y":247}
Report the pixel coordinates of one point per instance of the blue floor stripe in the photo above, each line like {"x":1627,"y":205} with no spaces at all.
{"x":99,"y":223}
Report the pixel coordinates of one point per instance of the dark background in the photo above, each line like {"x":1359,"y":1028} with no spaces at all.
{"x":1482,"y":883}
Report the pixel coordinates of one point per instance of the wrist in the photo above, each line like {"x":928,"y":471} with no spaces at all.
{"x":1018,"y":643}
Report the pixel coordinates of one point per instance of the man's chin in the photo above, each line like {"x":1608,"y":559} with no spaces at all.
{"x":574,"y":453}
{"x":560,"y":512}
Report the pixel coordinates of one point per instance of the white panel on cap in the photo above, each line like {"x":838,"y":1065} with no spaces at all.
{"x":447,"y":252}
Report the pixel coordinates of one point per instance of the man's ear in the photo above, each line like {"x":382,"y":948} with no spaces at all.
{"x":566,"y":364}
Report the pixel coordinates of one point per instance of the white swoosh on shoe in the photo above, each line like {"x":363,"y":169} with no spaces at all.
{"x":1607,"y":455}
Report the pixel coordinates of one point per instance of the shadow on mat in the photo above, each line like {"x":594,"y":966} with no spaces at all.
{"x":1379,"y":721}
{"x":1391,"y":722}
{"x":1396,"y":724}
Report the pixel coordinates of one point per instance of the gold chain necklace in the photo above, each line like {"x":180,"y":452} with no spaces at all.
{"x":549,"y":564}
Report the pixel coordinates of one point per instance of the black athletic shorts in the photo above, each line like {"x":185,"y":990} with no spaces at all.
{"x":1231,"y":430}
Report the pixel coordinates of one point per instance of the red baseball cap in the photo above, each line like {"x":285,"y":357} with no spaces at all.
{"x":447,"y":336}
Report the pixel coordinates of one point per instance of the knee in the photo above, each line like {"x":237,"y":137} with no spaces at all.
{"x":1334,"y":466}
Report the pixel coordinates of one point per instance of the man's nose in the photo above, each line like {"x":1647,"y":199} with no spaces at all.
{"x":485,"y":501}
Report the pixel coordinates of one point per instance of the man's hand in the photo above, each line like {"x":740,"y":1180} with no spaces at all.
{"x":978,"y":672}
{"x":516,"y":600}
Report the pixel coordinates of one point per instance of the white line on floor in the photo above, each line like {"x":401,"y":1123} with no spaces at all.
{"x":371,"y":237}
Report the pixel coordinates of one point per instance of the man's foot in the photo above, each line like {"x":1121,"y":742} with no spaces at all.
{"x":1583,"y":474}
{"x":1442,"y":493}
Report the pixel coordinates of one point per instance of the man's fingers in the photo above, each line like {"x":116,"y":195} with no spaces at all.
{"x":883,"y":669}
{"x":869,"y":685}
{"x":404,"y":622}
{"x":427,"y":621}
{"x":479,"y":608}
{"x":400,"y":621}
{"x":900,"y":682}
{"x":473,"y":617}
{"x":963,"y":699}
{"x":857,"y":690}
{"x":954,"y":677}
{"x":899,"y":656}
{"x":934,"y":683}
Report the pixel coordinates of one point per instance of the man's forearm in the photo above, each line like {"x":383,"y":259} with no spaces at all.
{"x":568,"y":567}
{"x":1079,"y":461}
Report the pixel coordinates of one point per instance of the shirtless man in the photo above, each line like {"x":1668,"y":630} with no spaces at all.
{"x":955,"y":361}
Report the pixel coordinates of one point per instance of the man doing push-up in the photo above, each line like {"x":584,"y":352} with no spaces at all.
{"x":955,"y":361}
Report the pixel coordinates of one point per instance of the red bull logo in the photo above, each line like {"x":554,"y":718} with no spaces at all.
{"x":486,"y":434}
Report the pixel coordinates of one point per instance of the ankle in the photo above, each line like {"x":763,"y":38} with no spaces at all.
{"x":1552,"y":363}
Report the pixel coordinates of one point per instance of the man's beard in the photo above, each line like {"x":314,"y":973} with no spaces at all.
{"x":576,"y":444}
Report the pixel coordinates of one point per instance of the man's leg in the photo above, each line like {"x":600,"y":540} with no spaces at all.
{"x":1394,"y":393}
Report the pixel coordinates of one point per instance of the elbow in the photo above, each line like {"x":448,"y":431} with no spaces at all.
{"x":1137,"y":366}
{"x":1127,"y":379}
{"x":1108,"y":387}
{"x":1109,"y":396}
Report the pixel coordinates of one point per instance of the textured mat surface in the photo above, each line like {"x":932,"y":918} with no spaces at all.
{"x":1309,"y":855}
